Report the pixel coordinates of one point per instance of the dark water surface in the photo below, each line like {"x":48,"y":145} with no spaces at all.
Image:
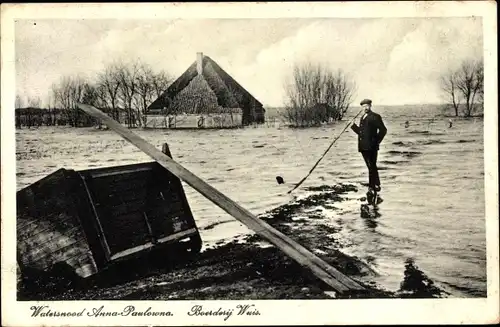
{"x":432,"y":179}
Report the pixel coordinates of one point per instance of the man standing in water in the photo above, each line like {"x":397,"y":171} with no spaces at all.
{"x":371,"y":131}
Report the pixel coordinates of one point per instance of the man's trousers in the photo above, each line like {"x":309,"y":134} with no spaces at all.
{"x":371,"y":163}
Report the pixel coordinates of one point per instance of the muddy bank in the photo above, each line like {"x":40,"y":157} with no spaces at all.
{"x":245,"y":268}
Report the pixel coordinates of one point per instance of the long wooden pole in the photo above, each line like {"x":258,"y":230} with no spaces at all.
{"x":297,"y":252}
{"x":324,"y":154}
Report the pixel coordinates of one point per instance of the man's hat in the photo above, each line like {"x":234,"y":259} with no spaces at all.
{"x":366,"y":101}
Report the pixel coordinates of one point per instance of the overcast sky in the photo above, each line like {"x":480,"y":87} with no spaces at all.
{"x":393,"y":61}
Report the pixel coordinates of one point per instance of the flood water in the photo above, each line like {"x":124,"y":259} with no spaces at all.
{"x":432,"y":184}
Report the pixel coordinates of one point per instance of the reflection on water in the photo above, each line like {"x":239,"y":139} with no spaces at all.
{"x":432,"y":184}
{"x":370,"y":214}
{"x":416,"y":283}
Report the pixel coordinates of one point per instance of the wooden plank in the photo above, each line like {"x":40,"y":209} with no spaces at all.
{"x":41,"y":227}
{"x":149,"y":245}
{"x":57,"y":218}
{"x":51,"y":250}
{"x":83,"y":209}
{"x":166,"y":208}
{"x":114,"y":197}
{"x":50,"y":236}
{"x":114,"y":171}
{"x":148,"y":224}
{"x":70,"y":254}
{"x":117,"y":207}
{"x":125,"y":231}
{"x":304,"y":257}
{"x":45,"y":197}
{"x":100,"y":232}
{"x":125,"y":208}
{"x":178,"y":236}
{"x":32,"y":227}
{"x":179,"y":196}
{"x":23,"y":220}
{"x":104,"y":185}
{"x":48,"y":257}
{"x":129,"y":223}
{"x":49,"y":231}
{"x":133,"y":250}
{"x":125,"y":178}
{"x":163,"y":224}
{"x":168,"y":196}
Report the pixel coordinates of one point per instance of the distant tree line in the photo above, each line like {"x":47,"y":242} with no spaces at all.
{"x":314,"y":94}
{"x":122,"y":90}
{"x":317,"y":94}
{"x":463,"y":88}
{"x":36,"y":117}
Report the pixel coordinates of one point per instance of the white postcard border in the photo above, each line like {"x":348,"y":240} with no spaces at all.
{"x":284,"y":312}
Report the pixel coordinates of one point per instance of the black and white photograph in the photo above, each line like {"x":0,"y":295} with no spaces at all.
{"x":177,"y":164}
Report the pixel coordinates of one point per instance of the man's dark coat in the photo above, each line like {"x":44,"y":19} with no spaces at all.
{"x":371,"y":131}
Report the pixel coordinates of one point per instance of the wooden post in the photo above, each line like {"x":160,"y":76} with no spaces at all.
{"x":297,"y":252}
{"x":165,"y":149}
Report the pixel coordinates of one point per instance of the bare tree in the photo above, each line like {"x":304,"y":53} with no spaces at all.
{"x":132,"y":87}
{"x":478,"y":85}
{"x":341,"y":92}
{"x":18,"y":105}
{"x":145,"y":90}
{"x":161,"y":81}
{"x":127,"y":77}
{"x":51,"y":119}
{"x":108,"y":87}
{"x":61,"y":92}
{"x":316,"y":94}
{"x":67,"y":94}
{"x":34,"y":111}
{"x":90,"y":94}
{"x":470,"y":84}
{"x":450,"y":89}
{"x":464,"y":84}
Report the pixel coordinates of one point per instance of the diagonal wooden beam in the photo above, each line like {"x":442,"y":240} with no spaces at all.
{"x":297,"y":252}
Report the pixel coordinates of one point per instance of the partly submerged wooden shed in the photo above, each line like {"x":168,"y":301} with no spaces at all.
{"x":92,"y":218}
{"x":206,"y":88}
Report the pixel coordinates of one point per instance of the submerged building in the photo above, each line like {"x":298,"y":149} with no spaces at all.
{"x":205,"y":96}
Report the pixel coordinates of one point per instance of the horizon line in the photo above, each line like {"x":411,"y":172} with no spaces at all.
{"x":381,"y":105}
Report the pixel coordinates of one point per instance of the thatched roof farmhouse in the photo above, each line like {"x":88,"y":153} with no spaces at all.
{"x":205,"y":88}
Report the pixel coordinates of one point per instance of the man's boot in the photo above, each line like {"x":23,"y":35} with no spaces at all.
{"x":370,"y":195}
